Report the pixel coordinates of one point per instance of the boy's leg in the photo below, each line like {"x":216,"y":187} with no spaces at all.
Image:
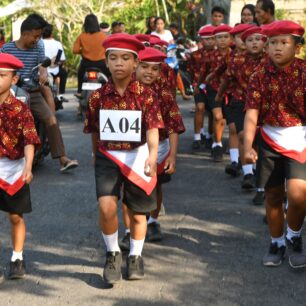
{"x":18,"y":233}
{"x":198,"y":122}
{"x":218,"y":128}
{"x":125,"y":241}
{"x":233,"y":168}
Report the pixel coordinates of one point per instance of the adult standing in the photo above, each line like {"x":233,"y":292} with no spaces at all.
{"x":89,"y":45}
{"x":150,"y":24}
{"x":265,"y":11}
{"x":248,"y":14}
{"x":161,"y":32}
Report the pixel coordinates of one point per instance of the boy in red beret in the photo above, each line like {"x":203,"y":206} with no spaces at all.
{"x":237,"y":76}
{"x":147,"y":72}
{"x":198,"y":68}
{"x":218,"y":62}
{"x":123,"y":118}
{"x":17,"y":140}
{"x":276,"y":100}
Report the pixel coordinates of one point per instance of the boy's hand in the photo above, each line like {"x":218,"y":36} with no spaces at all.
{"x":27,"y":175}
{"x":150,"y":167}
{"x":250,"y":156}
{"x":170,"y":165}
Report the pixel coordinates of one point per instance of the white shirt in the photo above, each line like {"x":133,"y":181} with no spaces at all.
{"x":51,"y":48}
{"x":167,"y":36}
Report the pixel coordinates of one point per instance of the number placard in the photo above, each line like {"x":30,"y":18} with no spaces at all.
{"x":120,"y":125}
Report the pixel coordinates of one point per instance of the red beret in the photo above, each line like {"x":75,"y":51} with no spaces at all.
{"x":151,"y":55}
{"x":251,"y":31}
{"x":283,"y":27}
{"x":206,"y":31}
{"x":142,"y":37}
{"x":123,"y":41}
{"x":241,"y":28}
{"x":224,"y":28}
{"x":155,"y":40}
{"x":9,"y":62}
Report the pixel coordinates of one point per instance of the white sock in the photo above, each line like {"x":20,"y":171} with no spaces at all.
{"x":127,"y":231}
{"x":280,"y":241}
{"x":208,"y":135}
{"x":197,"y":137}
{"x":234,"y":155}
{"x":215,"y":144}
{"x":291,"y":233}
{"x":16,"y":255}
{"x":111,"y":242}
{"x":260,"y":189}
{"x":202,"y":131}
{"x":136,"y":247}
{"x":152,"y":220}
{"x":247,"y":169}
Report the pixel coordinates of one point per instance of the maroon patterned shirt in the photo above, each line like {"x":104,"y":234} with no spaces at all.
{"x":239,"y":69}
{"x":279,"y":94}
{"x":17,"y":128}
{"x":136,"y":97}
{"x":170,"y":112}
{"x":167,"y":78}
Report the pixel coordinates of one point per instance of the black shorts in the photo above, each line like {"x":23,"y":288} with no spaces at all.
{"x":211,"y":95}
{"x":273,"y":168}
{"x":19,"y":203}
{"x":235,"y":114}
{"x":200,"y":97}
{"x":110,"y":181}
{"x":163,"y":178}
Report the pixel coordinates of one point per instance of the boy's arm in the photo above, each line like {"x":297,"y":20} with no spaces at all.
{"x":170,"y":164}
{"x":27,"y":175}
{"x":221,"y":90}
{"x":152,"y":140}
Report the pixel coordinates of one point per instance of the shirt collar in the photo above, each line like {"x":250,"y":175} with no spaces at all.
{"x":9,"y":103}
{"x":287,"y":70}
{"x":133,"y":87}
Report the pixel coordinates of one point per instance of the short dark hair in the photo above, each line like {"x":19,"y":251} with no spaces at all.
{"x":91,"y":24}
{"x":47,"y":31}
{"x":267,"y":6}
{"x":115,"y":24}
{"x":174,"y":26}
{"x":29,"y":25}
{"x":159,"y":18}
{"x":104,"y":25}
{"x":218,"y":9}
{"x":39,"y":19}
{"x":121,"y":23}
{"x":298,"y":40}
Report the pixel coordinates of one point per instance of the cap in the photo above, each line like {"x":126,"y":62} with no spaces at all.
{"x":154,"y":40}
{"x":241,"y":28}
{"x":151,"y":55}
{"x":124,"y":42}
{"x":206,"y":31}
{"x":221,"y":29}
{"x":142,"y":37}
{"x":251,"y":31}
{"x":283,"y":27}
{"x":9,"y":62}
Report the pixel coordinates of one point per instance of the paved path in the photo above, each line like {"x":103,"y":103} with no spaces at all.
{"x":211,"y":254}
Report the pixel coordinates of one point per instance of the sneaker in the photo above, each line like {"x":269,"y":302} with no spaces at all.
{"x":217,"y":154}
{"x":63,"y":99}
{"x":259,"y":198}
{"x":112,"y":267}
{"x":208,"y":143}
{"x":248,"y":182}
{"x":297,"y":257}
{"x":154,"y":232}
{"x":233,"y":169}
{"x":196,"y":145}
{"x":125,"y":242}
{"x":17,"y":269}
{"x":275,"y":256}
{"x":135,"y":268}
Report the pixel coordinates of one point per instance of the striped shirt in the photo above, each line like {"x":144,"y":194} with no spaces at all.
{"x":29,"y":57}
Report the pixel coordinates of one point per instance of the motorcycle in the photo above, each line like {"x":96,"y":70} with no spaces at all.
{"x":32,"y":84}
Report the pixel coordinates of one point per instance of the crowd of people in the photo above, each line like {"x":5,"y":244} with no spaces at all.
{"x":246,"y":76}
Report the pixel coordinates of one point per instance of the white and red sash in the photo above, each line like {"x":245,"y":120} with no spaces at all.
{"x":163,"y":153}
{"x":131,"y":164}
{"x":288,"y":141}
{"x":11,"y":174}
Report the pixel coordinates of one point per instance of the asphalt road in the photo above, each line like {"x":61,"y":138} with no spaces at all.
{"x":214,"y":239}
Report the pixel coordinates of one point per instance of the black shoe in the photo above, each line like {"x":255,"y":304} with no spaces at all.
{"x":125,"y":242}
{"x":17,"y":269}
{"x":233,"y":169}
{"x":112,"y":267}
{"x":196,"y":145}
{"x":203,"y":139}
{"x":208,"y":143}
{"x":154,"y":232}
{"x":135,"y":268}
{"x":275,"y":256}
{"x":217,"y":154}
{"x":259,"y":198}
{"x":63,"y":99}
{"x":248,"y":182}
{"x":297,"y":257}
